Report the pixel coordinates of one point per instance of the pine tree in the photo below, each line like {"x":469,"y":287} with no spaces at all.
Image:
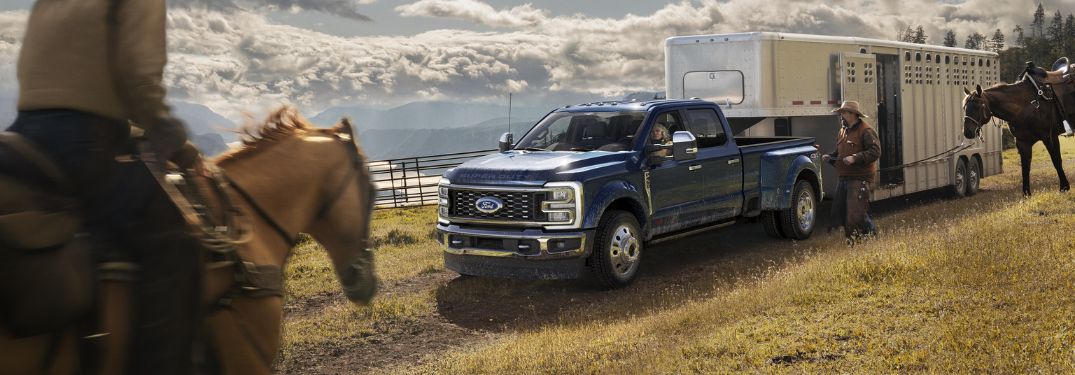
{"x":919,"y":35}
{"x":997,"y":42}
{"x":1020,"y":38}
{"x":975,"y":41}
{"x":1037,"y":27}
{"x":906,"y":35}
{"x":1056,"y":34}
{"x":950,"y":39}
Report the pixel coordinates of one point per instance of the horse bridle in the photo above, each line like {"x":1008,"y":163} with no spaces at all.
{"x":356,"y":162}
{"x":986,"y":113}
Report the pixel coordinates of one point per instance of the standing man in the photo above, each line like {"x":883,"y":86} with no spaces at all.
{"x":86,"y":68}
{"x":855,"y":159}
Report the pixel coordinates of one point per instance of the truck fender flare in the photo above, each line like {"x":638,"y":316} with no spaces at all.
{"x":779,"y":197}
{"x":610,"y":192}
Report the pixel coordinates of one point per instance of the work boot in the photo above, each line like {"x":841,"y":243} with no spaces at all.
{"x":1067,"y":129}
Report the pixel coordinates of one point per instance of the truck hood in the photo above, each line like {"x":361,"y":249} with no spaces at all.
{"x":531,"y":168}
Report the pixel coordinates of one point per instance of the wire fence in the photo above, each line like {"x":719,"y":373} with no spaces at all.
{"x":412,"y":181}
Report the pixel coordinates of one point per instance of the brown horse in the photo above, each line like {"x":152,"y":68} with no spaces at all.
{"x":1031,"y":118}
{"x":289,"y":177}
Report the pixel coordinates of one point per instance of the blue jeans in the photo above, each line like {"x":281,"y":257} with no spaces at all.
{"x":131,"y":220}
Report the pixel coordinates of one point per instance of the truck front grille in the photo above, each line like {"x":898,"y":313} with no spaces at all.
{"x":518,"y":206}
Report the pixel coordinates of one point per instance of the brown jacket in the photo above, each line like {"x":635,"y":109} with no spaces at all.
{"x":67,"y":61}
{"x":861,"y":142}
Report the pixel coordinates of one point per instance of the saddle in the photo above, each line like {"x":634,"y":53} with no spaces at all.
{"x":1061,"y":72}
{"x":1060,"y":82}
{"x":46,"y":270}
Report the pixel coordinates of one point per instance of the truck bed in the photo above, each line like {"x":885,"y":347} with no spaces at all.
{"x":754,"y":143}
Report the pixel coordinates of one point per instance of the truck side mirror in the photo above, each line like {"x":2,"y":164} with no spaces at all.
{"x":507,"y":140}
{"x":684,"y":146}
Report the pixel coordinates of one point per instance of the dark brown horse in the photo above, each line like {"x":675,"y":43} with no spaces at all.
{"x":1030,"y":116}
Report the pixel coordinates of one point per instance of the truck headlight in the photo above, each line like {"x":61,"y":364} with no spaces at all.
{"x":559,"y":217}
{"x":562,"y":203}
{"x":564,"y":194}
{"x":442,"y":198}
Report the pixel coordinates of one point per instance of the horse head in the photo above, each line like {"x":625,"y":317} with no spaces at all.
{"x":297,"y":178}
{"x":976,"y":112}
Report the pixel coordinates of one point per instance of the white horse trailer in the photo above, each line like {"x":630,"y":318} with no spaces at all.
{"x":777,"y":84}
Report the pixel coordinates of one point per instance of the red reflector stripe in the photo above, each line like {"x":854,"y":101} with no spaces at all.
{"x":797,"y":102}
{"x":833,"y":102}
{"x":815,"y":102}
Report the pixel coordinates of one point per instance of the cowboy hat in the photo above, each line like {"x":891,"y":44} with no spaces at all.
{"x":851,"y":106}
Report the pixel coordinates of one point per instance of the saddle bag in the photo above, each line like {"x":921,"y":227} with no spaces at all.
{"x":46,"y":269}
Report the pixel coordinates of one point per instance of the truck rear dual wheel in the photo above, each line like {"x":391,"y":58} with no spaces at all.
{"x":770,"y":220}
{"x":797,"y":222}
{"x":617,"y":250}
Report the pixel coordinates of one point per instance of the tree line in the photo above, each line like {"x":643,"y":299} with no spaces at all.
{"x":1043,"y":41}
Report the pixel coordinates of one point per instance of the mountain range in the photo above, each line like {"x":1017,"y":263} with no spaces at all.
{"x":413,"y":129}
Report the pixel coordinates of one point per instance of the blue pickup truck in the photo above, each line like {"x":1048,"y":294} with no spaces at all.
{"x":589,"y":186}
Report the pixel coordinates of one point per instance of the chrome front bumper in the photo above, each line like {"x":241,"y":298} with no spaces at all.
{"x":515,"y":253}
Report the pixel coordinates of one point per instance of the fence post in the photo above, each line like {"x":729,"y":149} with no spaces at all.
{"x":392,"y":177}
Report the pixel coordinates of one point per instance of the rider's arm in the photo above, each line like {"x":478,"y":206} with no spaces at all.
{"x":140,"y":57}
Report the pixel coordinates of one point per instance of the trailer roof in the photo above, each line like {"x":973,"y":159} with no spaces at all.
{"x":617,"y":106}
{"x":759,"y":36}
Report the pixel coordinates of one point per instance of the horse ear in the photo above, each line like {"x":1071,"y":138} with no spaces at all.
{"x":965,"y":91}
{"x":343,"y":129}
{"x":979,"y":89}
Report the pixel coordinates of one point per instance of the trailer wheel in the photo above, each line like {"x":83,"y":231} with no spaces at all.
{"x":798,"y":221}
{"x":959,"y":189}
{"x":974,"y":176}
{"x":617,"y":250}
{"x":770,"y":220}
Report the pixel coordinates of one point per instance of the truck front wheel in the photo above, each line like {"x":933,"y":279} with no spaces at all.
{"x":617,"y":250}
{"x":798,"y":220}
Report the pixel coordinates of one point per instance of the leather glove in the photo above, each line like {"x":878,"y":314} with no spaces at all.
{"x":166,"y":137}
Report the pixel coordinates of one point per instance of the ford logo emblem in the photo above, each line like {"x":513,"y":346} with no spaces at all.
{"x":489,"y":205}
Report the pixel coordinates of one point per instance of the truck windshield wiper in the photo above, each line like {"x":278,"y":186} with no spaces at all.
{"x":581,"y":149}
{"x":534,"y":149}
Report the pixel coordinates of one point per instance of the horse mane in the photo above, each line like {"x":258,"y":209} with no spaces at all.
{"x":281,"y":123}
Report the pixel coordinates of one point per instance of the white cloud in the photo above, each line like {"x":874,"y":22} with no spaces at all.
{"x":476,"y":11}
{"x":342,"y":8}
{"x":232,"y":59}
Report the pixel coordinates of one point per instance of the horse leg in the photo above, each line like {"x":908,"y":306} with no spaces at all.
{"x":1054,"y":153}
{"x":1026,"y":151}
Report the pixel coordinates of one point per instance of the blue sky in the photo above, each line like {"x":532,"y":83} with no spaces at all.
{"x":233,"y":55}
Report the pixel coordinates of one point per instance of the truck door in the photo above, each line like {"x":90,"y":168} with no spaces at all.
{"x":719,"y":158}
{"x":675,"y":188}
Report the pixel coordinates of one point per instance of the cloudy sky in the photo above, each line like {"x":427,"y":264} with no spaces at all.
{"x":243,"y":55}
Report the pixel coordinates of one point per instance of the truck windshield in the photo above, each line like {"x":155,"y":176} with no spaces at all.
{"x":584,"y":131}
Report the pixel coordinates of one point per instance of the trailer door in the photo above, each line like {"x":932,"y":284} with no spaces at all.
{"x":858,"y":81}
{"x":888,"y":122}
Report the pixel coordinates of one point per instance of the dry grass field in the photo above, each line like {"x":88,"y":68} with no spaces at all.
{"x":980,"y":284}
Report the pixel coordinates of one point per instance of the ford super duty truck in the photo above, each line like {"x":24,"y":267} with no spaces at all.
{"x":588,"y":187}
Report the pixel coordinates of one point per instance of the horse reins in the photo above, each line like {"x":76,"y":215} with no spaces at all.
{"x":336,"y":194}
